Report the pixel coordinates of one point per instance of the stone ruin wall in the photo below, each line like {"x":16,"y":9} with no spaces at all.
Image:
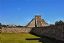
{"x":56,"y":32}
{"x":15,"y":30}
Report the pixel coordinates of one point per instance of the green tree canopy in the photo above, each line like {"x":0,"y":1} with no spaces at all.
{"x":59,"y":22}
{"x":0,"y":24}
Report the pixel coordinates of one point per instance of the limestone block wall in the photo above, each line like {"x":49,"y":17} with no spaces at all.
{"x":15,"y":30}
{"x":31,"y":24}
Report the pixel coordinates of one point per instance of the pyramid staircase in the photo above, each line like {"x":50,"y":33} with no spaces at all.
{"x":37,"y":22}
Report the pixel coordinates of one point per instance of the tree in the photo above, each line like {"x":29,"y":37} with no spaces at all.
{"x":0,"y":24}
{"x":59,"y":22}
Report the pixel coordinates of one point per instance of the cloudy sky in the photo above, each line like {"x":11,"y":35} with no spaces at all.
{"x":20,"y":12}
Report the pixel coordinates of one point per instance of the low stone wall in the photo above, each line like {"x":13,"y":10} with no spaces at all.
{"x":15,"y":30}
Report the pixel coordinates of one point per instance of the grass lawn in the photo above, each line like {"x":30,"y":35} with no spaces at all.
{"x":17,"y":38}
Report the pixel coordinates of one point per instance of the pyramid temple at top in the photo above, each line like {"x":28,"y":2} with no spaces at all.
{"x":37,"y":22}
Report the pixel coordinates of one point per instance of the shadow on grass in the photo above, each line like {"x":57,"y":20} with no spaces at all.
{"x":45,"y":40}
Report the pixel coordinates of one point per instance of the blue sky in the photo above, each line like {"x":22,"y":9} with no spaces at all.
{"x":20,"y":12}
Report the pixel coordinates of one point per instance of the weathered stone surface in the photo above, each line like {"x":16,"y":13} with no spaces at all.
{"x":31,"y":23}
{"x":16,"y":30}
{"x":56,"y":32}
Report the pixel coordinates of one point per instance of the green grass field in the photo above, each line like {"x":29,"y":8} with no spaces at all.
{"x":17,"y":38}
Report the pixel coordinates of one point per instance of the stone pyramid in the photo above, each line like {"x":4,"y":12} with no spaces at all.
{"x":37,"y":22}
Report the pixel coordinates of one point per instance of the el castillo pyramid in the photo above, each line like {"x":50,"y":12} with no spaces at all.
{"x":37,"y":22}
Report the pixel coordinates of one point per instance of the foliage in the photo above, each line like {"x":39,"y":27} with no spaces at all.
{"x":59,"y":22}
{"x":0,"y":24}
